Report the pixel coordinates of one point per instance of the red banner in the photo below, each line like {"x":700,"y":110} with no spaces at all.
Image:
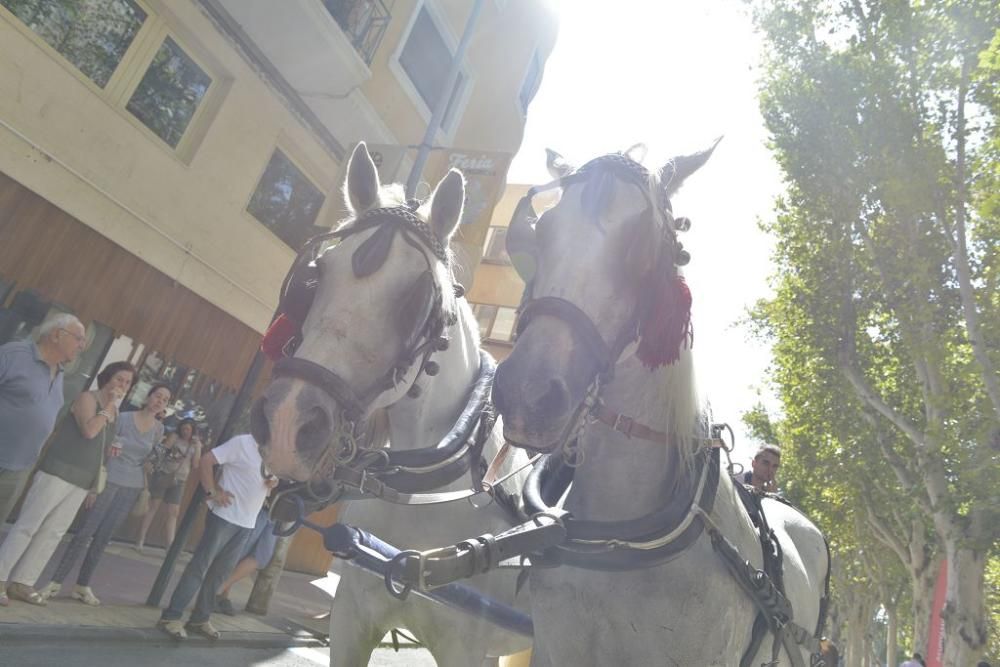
{"x":935,"y":640}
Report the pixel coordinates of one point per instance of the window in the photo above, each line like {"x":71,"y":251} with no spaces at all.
{"x":531,"y":80}
{"x":484,"y":317}
{"x":92,"y":34}
{"x":131,"y":57}
{"x":496,"y":246}
{"x":425,"y":59}
{"x":363,"y":21}
{"x":285,"y":201}
{"x":496,"y":323}
{"x":503,"y":324}
{"x":169,"y":93}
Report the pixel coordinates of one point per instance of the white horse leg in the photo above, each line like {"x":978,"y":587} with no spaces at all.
{"x":454,"y":654}
{"x":353,"y":636}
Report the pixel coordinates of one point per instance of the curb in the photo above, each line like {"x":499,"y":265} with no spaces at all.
{"x":17,"y":633}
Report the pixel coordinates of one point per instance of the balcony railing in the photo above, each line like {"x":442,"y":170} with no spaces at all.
{"x":363,"y":21}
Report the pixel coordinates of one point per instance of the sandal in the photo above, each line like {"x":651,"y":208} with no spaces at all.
{"x":50,"y":590}
{"x":85,"y":595}
{"x":25,"y":593}
{"x":205,"y":629}
{"x":175,"y":629}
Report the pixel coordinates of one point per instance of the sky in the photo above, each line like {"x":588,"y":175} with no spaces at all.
{"x":674,"y":75}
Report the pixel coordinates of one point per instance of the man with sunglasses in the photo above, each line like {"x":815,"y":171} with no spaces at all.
{"x":31,"y":395}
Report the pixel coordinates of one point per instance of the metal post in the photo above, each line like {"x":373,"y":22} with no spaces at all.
{"x":424,"y":149}
{"x":268,"y":577}
{"x":187,"y":521}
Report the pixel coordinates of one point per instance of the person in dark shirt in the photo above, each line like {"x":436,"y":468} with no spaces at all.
{"x":764,"y":469}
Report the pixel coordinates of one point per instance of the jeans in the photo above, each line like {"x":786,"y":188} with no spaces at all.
{"x":214,"y":558}
{"x":100,"y":522}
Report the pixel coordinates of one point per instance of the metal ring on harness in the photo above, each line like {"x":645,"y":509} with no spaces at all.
{"x":300,"y":518}
{"x":403,"y":590}
{"x":489,"y":491}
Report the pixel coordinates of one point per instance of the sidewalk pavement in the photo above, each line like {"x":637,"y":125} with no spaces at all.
{"x":296,"y":616}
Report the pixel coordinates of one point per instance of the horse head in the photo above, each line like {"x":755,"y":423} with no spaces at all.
{"x":364,"y":308}
{"x":602,"y":281}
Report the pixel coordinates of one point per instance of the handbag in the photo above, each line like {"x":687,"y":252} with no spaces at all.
{"x":102,"y":480}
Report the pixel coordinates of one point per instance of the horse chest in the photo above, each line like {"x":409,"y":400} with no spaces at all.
{"x":687,"y":612}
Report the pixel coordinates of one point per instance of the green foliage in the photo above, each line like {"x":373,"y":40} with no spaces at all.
{"x":92,"y":34}
{"x":862,"y":102}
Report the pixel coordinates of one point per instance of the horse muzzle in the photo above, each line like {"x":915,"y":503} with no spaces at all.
{"x":537,"y":400}
{"x":293,"y":423}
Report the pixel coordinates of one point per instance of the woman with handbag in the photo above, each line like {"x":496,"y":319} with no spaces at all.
{"x":172,"y":462}
{"x":135,"y":434}
{"x":73,"y":465}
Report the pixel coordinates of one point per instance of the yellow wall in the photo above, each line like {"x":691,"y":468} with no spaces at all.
{"x":498,"y":284}
{"x":185,"y":212}
{"x":498,"y":59}
{"x":67,"y":143}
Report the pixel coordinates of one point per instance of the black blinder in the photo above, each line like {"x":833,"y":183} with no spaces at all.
{"x":371,"y":255}
{"x":417,"y":306}
{"x":521,"y":240}
{"x":300,"y":292}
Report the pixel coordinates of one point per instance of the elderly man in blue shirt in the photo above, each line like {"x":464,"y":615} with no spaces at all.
{"x":31,"y":395}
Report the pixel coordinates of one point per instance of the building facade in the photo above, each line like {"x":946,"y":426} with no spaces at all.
{"x":161,"y":161}
{"x":496,"y":288}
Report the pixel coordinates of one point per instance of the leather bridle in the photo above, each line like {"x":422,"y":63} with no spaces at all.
{"x":580,"y":325}
{"x":297,"y":293}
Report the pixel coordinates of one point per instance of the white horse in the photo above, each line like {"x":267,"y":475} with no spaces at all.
{"x":384,"y":301}
{"x":604,"y":300}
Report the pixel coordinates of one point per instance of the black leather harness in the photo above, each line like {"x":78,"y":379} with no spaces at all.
{"x":394,"y":476}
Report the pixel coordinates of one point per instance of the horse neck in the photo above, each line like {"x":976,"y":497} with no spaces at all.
{"x":421,"y":422}
{"x":622,"y":478}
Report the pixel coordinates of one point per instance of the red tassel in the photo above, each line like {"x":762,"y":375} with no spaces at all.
{"x":278,"y":334}
{"x":667,"y":327}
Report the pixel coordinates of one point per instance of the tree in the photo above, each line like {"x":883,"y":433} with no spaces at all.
{"x":883,"y":118}
{"x":861,"y":510}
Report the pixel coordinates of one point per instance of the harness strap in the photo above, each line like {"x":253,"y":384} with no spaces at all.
{"x":626,"y":425}
{"x":369,"y":486}
{"x":426,"y":570}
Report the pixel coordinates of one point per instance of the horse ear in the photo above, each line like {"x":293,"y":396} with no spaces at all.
{"x":677,"y":169}
{"x":446,"y":204}
{"x":362,"y":180}
{"x":557,"y":165}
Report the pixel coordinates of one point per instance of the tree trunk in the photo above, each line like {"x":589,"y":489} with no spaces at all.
{"x":891,"y":634}
{"x":267,"y":579}
{"x":922,"y":593}
{"x":964,"y":611}
{"x":855,"y":634}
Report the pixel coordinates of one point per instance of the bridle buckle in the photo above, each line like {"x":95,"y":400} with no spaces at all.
{"x":624,"y":424}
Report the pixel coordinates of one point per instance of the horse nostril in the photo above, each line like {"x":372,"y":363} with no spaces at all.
{"x":553,"y":401}
{"x":315,"y":429}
